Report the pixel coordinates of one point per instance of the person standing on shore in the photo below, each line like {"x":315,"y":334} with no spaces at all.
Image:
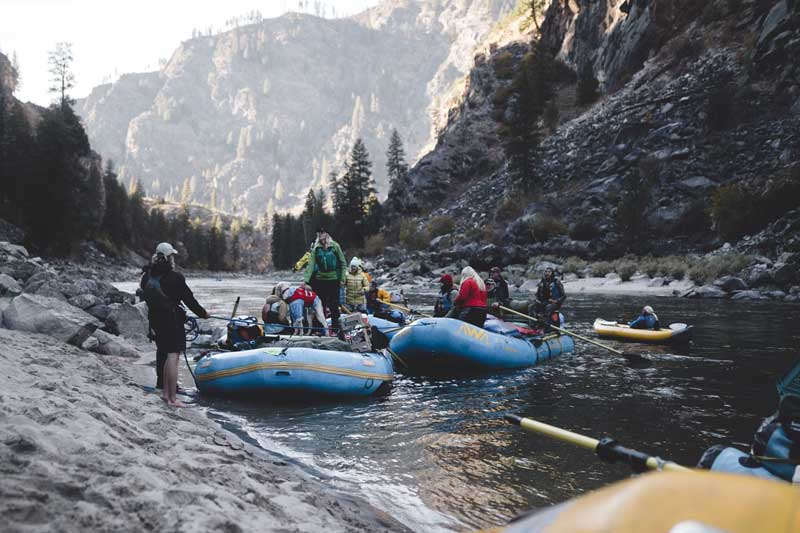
{"x":326,"y":273}
{"x":164,"y":291}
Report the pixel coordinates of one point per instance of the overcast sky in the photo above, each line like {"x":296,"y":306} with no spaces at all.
{"x":112,"y":37}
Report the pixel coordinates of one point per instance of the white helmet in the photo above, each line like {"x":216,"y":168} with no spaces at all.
{"x":355,"y":262}
{"x":648,"y":310}
{"x":166,"y":249}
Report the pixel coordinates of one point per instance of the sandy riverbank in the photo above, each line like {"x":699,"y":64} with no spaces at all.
{"x":84,"y":448}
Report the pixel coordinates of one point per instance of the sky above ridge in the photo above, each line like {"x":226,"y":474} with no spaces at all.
{"x":114,"y":37}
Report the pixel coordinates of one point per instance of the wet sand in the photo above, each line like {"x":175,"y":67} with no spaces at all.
{"x":83,"y":447}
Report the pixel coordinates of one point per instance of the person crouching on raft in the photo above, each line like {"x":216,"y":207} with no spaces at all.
{"x":470,"y":304}
{"x":647,"y":320}
{"x":549,"y":297}
{"x":325,"y":273}
{"x":447,"y":295}
{"x":164,"y":289}
{"x":303,"y":301}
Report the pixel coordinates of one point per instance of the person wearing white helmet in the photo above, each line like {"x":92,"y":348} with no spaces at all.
{"x":356,"y":287}
{"x":647,"y":320}
{"x":165,"y":292}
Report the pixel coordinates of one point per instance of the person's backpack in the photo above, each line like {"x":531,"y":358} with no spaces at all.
{"x":157,"y":300}
{"x":326,"y":259}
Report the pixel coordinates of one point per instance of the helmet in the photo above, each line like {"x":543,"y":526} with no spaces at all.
{"x":648,"y":310}
{"x":166,"y":249}
{"x":355,"y":262}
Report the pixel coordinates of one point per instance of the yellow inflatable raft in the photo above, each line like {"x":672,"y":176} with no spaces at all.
{"x":612,"y":330}
{"x":664,"y":502}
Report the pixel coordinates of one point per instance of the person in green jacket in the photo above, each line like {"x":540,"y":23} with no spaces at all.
{"x":326,"y":273}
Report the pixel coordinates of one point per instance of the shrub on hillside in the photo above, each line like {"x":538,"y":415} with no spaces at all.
{"x":626,"y":268}
{"x":585,"y":229}
{"x":731,"y":211}
{"x":512,"y":207}
{"x":504,"y":65}
{"x":374,"y":245}
{"x":573,"y":265}
{"x":551,"y":116}
{"x":411,"y":237}
{"x":707,"y":269}
{"x":601,"y":268}
{"x":441,"y":225}
{"x":587,"y":90}
{"x":544,"y":228}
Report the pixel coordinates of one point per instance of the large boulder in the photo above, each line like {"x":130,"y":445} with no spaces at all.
{"x":759,"y":276}
{"x":530,"y":285}
{"x":392,"y":257}
{"x":85,"y":301}
{"x":108,"y":344}
{"x":9,"y":286}
{"x":50,"y":316}
{"x":784,"y":273}
{"x":748,"y":295}
{"x":731,"y":283}
{"x":128,"y":320}
{"x":706,"y":291}
{"x":13,"y":249}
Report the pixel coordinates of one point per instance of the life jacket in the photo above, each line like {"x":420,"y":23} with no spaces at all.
{"x":446,"y":300}
{"x":777,"y":441}
{"x":157,"y":300}
{"x":326,"y":260}
{"x":300,"y":293}
{"x":243,"y":332}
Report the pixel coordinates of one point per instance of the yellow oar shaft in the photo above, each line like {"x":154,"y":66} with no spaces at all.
{"x":617,"y":452}
{"x":584,"y":339}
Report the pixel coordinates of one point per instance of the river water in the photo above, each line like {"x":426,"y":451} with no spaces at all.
{"x":437,"y":455}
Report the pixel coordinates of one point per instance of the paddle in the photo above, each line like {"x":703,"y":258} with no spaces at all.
{"x":235,"y":306}
{"x":590,"y":341}
{"x":606,"y":448}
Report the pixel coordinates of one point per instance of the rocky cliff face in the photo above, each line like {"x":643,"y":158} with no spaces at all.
{"x":256,"y":115}
{"x":709,"y":95}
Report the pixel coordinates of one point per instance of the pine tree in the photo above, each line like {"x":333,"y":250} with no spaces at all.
{"x":551,"y":116}
{"x":396,"y":167}
{"x":587,"y":85}
{"x":62,"y":80}
{"x":186,"y":192}
{"x":357,"y":185}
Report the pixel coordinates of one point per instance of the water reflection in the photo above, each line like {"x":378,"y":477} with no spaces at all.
{"x":436,"y":453}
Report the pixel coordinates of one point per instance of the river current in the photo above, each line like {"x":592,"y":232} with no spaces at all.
{"x":438,"y":456}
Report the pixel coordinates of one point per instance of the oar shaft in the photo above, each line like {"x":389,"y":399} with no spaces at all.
{"x":561,"y":330}
{"x":606,"y":449}
{"x":404,"y":308}
{"x":557,"y":433}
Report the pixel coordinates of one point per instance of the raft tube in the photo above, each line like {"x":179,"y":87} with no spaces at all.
{"x":449,"y":344}
{"x":611,"y":330}
{"x":672,"y":502}
{"x":300,"y":371}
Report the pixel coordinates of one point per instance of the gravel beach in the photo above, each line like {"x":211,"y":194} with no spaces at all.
{"x":84,"y":448}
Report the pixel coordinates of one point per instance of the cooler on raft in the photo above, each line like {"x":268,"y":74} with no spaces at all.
{"x":272,"y":371}
{"x":446,"y":344}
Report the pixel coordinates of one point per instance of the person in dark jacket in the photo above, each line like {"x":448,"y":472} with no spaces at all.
{"x":497,"y":292}
{"x":165,"y":291}
{"x":647,"y":320}
{"x":549,"y":297}
{"x":446,"y":297}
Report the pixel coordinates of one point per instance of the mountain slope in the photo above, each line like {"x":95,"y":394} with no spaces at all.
{"x":257,"y":115}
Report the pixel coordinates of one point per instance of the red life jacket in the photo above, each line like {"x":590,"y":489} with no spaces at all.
{"x":308,"y":296}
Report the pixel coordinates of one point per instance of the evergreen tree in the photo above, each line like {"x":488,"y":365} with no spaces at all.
{"x":587,"y":90}
{"x":357,"y":186}
{"x":396,"y":167}
{"x":551,"y":116}
{"x":531,"y":88}
{"x":62,"y":80}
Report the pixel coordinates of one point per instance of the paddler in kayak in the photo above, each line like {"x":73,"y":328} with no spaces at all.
{"x":647,"y":320}
{"x":550,"y":295}
{"x":470,"y":304}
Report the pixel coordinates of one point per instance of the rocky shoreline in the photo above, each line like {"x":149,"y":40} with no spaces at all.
{"x":85,"y":447}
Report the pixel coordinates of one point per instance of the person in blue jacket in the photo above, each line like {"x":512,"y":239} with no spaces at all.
{"x":647,"y":320}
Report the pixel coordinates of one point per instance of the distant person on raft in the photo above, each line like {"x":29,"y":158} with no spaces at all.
{"x":497,"y":293}
{"x":164,"y":291}
{"x":647,"y":320}
{"x":550,"y":295}
{"x":326,"y":273}
{"x":470,"y":304}
{"x":447,"y":295}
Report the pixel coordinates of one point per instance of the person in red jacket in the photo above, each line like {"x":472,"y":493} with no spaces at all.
{"x":303,"y":300}
{"x":471,"y":299}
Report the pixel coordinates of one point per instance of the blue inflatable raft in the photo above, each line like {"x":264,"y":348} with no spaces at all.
{"x":452,"y":345}
{"x":293,"y":371}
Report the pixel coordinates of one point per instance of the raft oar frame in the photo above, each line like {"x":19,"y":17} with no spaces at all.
{"x":561,"y":330}
{"x":606,"y":448}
